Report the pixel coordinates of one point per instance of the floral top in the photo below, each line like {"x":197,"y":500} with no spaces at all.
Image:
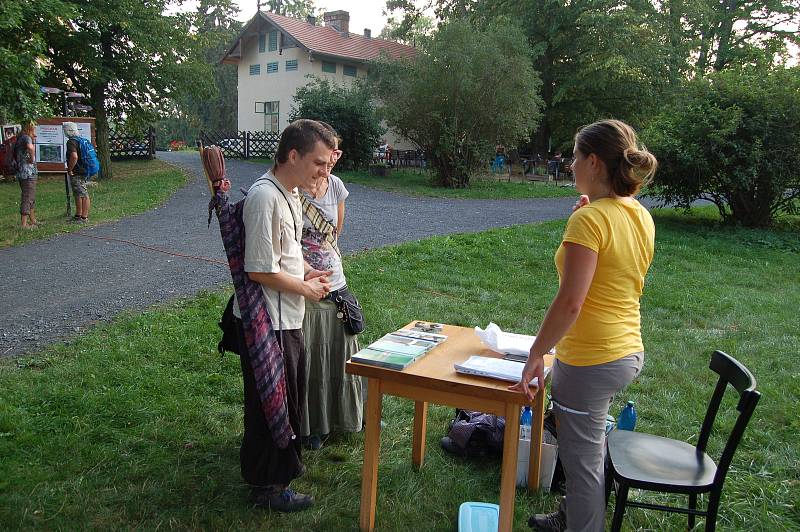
{"x":316,"y":250}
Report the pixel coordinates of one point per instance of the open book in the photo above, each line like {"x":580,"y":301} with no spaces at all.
{"x":495,"y":368}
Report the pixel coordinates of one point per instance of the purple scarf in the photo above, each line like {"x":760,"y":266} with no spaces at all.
{"x":266,"y":356}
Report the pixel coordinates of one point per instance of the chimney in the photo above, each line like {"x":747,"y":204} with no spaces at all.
{"x":338,"y":20}
{"x":367,"y":33}
{"x":311,"y":20}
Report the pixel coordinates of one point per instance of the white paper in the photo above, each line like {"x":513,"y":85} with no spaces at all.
{"x":496,"y":368}
{"x":505,"y":342}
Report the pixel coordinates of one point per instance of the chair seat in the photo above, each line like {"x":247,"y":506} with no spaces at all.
{"x":652,"y":462}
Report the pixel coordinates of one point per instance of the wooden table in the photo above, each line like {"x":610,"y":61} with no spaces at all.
{"x":432,"y":379}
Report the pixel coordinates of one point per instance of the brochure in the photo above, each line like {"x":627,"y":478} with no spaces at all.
{"x":383,"y":359}
{"x":398,"y":349}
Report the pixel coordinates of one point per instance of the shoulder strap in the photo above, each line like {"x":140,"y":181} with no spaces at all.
{"x":294,"y":225}
{"x":320,"y":223}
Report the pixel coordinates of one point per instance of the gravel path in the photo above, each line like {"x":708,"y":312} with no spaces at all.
{"x":55,"y":288}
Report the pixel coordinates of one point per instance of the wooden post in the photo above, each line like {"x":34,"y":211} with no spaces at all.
{"x":151,"y":142}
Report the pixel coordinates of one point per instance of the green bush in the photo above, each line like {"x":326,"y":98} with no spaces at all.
{"x":733,"y":139}
{"x":351,"y":112}
{"x":469,"y":89}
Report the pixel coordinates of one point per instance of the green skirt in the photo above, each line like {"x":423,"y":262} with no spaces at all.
{"x":333,"y":398}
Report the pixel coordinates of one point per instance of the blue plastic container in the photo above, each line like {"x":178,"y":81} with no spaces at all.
{"x":627,"y":418}
{"x":478,"y":517}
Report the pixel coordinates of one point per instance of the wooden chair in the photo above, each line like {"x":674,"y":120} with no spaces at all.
{"x":647,"y":462}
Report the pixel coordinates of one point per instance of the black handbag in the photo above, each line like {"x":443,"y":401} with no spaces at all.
{"x":348,"y":310}
{"x":229,"y":324}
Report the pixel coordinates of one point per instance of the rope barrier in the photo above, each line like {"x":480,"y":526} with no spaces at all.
{"x":151,"y":248}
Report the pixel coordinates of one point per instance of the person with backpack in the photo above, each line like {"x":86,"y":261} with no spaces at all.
{"x":24,"y":166}
{"x":82,"y":166}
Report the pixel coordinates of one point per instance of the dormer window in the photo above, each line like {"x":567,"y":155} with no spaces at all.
{"x":273,"y":40}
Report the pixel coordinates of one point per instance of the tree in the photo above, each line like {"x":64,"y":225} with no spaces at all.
{"x":20,"y":47}
{"x":349,"y":110}
{"x":407,"y":31}
{"x":292,"y":8}
{"x":217,"y":28}
{"x":469,"y":89}
{"x":595,"y":58}
{"x":737,"y":32}
{"x":733,"y":139}
{"x":129,"y":65}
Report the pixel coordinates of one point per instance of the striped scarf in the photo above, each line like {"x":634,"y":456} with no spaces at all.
{"x":266,"y":356}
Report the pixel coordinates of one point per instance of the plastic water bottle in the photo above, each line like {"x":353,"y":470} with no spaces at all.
{"x":525,"y":423}
{"x":627,"y":418}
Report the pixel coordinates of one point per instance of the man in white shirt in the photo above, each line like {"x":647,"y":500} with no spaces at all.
{"x":273,"y":220}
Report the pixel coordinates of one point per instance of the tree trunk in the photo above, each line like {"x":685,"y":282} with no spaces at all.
{"x":98,"y":94}
{"x":747,"y":210}
{"x":541,"y":139}
{"x":725,"y":34}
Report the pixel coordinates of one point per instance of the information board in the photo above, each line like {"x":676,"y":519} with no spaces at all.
{"x":51,"y":143}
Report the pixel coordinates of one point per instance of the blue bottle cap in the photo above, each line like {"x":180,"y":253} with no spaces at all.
{"x":630,"y":403}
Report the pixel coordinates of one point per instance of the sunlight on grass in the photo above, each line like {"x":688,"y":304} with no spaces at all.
{"x":420,"y":183}
{"x":137,"y":186}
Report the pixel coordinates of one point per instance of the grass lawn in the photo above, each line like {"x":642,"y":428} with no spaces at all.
{"x":137,"y":186}
{"x":137,"y":423}
{"x":414,"y":183}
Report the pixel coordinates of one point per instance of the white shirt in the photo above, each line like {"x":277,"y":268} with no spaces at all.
{"x":273,"y":224}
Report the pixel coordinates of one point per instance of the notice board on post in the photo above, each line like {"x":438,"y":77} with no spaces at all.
{"x":51,"y":143}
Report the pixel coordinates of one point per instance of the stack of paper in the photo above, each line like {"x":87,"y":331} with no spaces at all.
{"x":398,"y":349}
{"x":496,"y":368}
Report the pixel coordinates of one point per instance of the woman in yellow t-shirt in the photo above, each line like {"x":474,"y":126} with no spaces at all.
{"x":594,"y":321}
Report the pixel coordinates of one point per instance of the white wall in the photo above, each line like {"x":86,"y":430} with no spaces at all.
{"x":282,"y":85}
{"x":279,"y":86}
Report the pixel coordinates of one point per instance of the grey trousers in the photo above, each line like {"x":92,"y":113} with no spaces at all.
{"x":581,"y":397}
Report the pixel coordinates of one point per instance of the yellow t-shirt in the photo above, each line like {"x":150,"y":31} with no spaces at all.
{"x":608,"y":327}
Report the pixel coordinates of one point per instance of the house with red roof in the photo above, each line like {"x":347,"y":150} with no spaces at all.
{"x":274,"y":54}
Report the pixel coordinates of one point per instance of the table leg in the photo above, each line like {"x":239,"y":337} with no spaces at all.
{"x":420,"y":426}
{"x":508,"y":471}
{"x":372,"y":447}
{"x":537,"y":426}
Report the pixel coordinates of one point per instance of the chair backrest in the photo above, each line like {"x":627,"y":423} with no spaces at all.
{"x":732,"y":372}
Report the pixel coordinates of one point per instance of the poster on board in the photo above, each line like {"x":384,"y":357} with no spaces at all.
{"x":10,"y":130}
{"x":51,"y":143}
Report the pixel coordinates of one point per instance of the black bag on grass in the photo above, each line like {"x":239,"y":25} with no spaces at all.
{"x":474,"y":434}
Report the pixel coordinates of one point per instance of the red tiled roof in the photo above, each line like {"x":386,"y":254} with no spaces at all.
{"x":328,"y":41}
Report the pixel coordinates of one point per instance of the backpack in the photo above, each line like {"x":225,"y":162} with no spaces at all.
{"x":8,"y":160}
{"x":88,"y":157}
{"x":474,"y":434}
